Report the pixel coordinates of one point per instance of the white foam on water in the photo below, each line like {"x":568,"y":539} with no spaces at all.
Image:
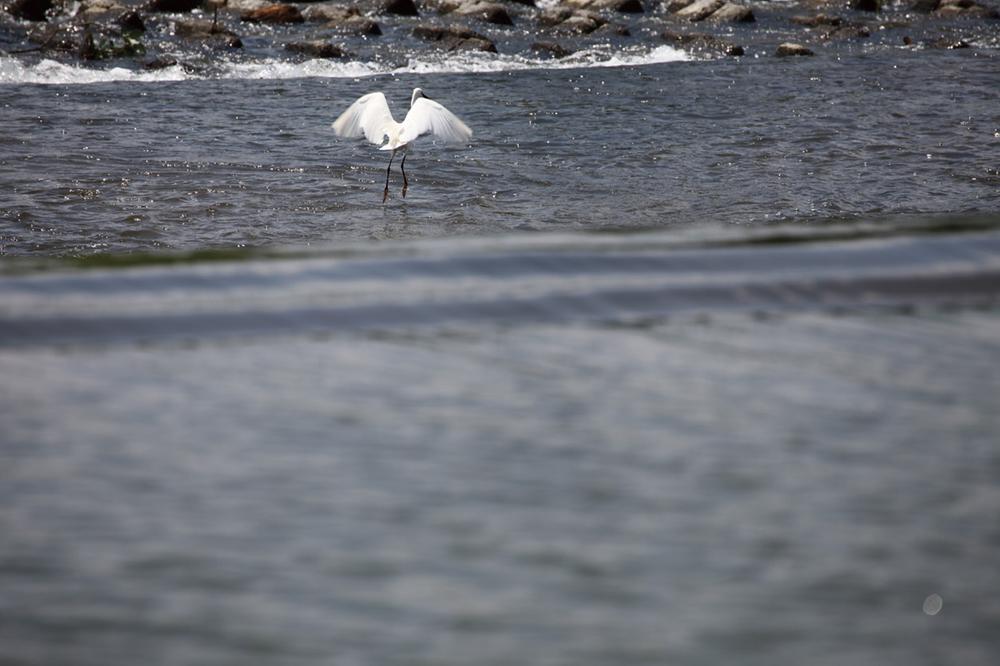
{"x":47,"y":71}
{"x":278,"y":69}
{"x":13,"y":70}
{"x":490,"y":62}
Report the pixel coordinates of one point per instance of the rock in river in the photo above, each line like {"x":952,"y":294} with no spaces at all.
{"x":866,"y":5}
{"x":491,"y":12}
{"x":699,"y":10}
{"x":329,"y":11}
{"x":358,"y":25}
{"x":791,"y":49}
{"x":208,"y":32}
{"x":454,"y":38}
{"x":817,"y":20}
{"x":569,"y":20}
{"x":400,"y":8}
{"x":552,"y":48}
{"x":623,"y":6}
{"x":276,"y":13}
{"x":29,"y":10}
{"x":732,"y":13}
{"x":172,"y":6}
{"x":130,"y":21}
{"x":847,"y":31}
{"x":696,"y":41}
{"x":964,"y":8}
{"x":316,"y":49}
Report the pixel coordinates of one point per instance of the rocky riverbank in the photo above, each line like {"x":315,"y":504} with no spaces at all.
{"x":195,"y":34}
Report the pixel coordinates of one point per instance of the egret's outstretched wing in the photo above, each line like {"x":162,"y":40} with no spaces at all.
{"x":428,"y":117}
{"x":369,"y":117}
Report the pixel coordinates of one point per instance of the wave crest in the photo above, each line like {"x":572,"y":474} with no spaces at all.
{"x":14,"y":71}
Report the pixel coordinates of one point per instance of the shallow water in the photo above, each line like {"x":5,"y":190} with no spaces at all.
{"x":249,"y":414}
{"x":237,"y":163}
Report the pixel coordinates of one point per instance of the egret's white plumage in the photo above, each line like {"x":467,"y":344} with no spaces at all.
{"x":370,"y":117}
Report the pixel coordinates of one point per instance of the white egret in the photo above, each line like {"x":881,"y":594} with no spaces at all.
{"x":370,"y":117}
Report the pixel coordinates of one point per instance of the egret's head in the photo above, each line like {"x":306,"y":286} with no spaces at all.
{"x":417,"y":94}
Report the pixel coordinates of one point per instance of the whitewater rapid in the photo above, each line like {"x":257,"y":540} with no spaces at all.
{"x":48,"y":71}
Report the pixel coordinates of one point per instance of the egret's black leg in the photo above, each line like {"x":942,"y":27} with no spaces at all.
{"x":385,"y":192}
{"x":406,"y":183}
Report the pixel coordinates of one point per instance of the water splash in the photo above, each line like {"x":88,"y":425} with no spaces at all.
{"x":49,"y":71}
{"x":53,"y":72}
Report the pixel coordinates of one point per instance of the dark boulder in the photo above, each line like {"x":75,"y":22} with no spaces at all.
{"x":29,"y":10}
{"x":491,"y":12}
{"x":847,"y":31}
{"x":818,"y":20}
{"x":697,"y":41}
{"x":497,"y":15}
{"x":582,"y":23}
{"x":400,"y":8}
{"x":435,"y":33}
{"x":130,"y":21}
{"x":866,"y":5}
{"x":358,"y":25}
{"x":316,"y":49}
{"x":160,"y":62}
{"x":454,"y":38}
{"x":172,"y":6}
{"x":630,"y":7}
{"x":163,"y":62}
{"x":276,"y":13}
{"x":615,"y":29}
{"x":681,"y":38}
{"x":209,"y":33}
{"x":949,"y":43}
{"x":964,"y":8}
{"x":471,"y":44}
{"x":200,"y":28}
{"x":924,"y":6}
{"x":552,"y":48}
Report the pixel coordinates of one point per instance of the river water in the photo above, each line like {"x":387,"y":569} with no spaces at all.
{"x":135,"y":166}
{"x":694,"y":361}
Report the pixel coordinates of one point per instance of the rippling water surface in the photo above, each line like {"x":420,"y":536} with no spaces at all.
{"x":226,"y":163}
{"x":248,"y":414}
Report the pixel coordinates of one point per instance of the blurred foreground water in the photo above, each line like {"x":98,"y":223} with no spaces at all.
{"x":557,"y":450}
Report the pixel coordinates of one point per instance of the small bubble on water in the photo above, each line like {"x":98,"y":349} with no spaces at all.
{"x":933,"y":604}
